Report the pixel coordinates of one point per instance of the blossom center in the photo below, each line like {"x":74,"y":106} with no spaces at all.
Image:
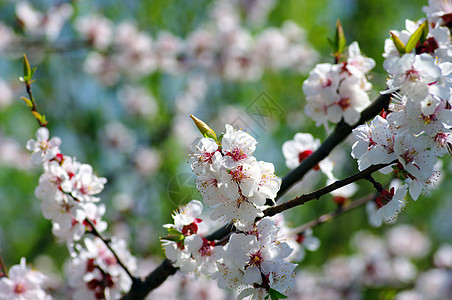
{"x":325,"y":82}
{"x":384,"y":197}
{"x":236,"y":154}
{"x":206,"y":248}
{"x":190,"y":229}
{"x":44,"y":145}
{"x":255,"y":260}
{"x":19,"y":288}
{"x":207,"y":157}
{"x":412,"y":75}
{"x":237,"y":174}
{"x":344,"y":103}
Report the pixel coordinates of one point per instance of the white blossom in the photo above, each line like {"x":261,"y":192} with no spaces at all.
{"x":23,"y":283}
{"x":43,"y":149}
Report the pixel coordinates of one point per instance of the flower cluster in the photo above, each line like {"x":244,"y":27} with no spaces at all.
{"x":231,"y":179}
{"x":220,"y":47}
{"x":38,"y":24}
{"x":185,"y":246}
{"x":416,"y":130}
{"x":253,"y":262}
{"x":339,"y":91}
{"x":68,"y":192}
{"x":67,"y":189}
{"x":22,"y":283}
{"x":236,"y":186}
{"x":95,"y":272}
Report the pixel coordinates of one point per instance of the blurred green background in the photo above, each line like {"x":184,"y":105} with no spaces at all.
{"x":78,"y":108}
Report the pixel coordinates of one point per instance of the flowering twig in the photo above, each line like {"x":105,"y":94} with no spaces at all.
{"x":27,"y":78}
{"x":323,"y":191}
{"x":107,"y":241}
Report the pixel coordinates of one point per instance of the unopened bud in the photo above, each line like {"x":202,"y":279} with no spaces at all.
{"x":204,"y":128}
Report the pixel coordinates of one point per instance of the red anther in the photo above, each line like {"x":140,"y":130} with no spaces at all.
{"x":339,"y":200}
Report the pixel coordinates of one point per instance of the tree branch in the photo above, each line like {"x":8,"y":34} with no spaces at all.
{"x":140,"y":289}
{"x":107,"y":243}
{"x":323,"y":191}
{"x":339,"y":134}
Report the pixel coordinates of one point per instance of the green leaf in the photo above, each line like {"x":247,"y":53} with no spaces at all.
{"x":339,"y":42}
{"x":340,"y":37}
{"x":398,"y":43}
{"x":205,"y":130}
{"x":43,"y":120}
{"x":275,"y":295}
{"x":37,"y":115}
{"x":415,"y":38}
{"x":220,"y":138}
{"x":174,"y":237}
{"x":424,"y":32}
{"x":33,"y":72}
{"x":171,"y":230}
{"x":27,"y":101}
{"x":26,"y":65}
{"x":28,"y":71}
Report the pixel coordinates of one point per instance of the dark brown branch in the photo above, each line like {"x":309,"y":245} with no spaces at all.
{"x":140,"y":288}
{"x":107,"y":243}
{"x":323,"y":191}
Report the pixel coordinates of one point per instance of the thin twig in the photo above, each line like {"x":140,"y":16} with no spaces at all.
{"x":33,"y":108}
{"x":27,"y":79}
{"x":271,"y":211}
{"x":45,"y":46}
{"x":334,"y":214}
{"x":107,"y":243}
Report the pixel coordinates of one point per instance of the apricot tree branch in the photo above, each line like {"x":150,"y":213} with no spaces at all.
{"x":141,"y":288}
{"x":107,"y":243}
{"x":271,"y":211}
